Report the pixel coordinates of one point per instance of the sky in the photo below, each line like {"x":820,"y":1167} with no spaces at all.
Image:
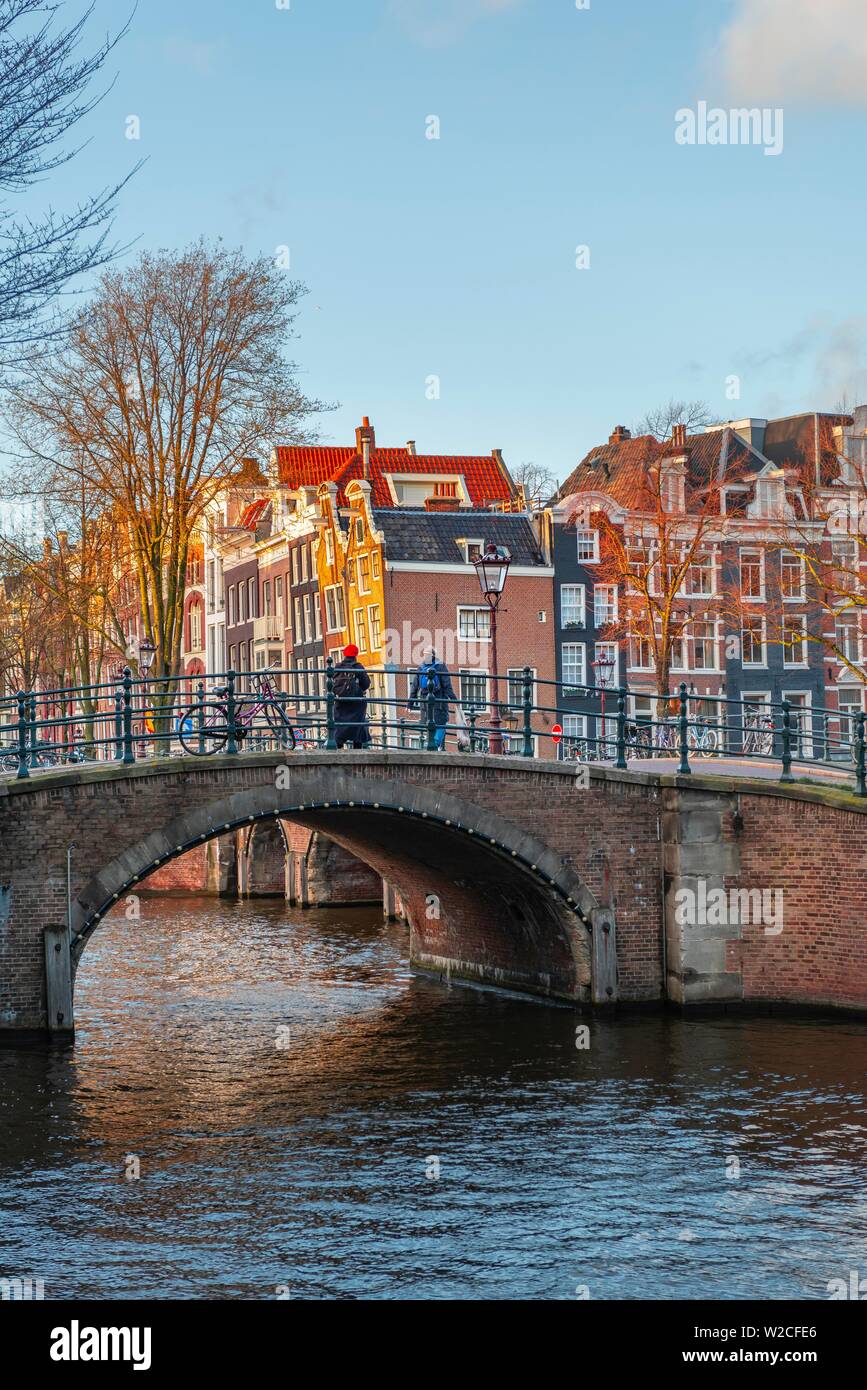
{"x":448,"y":298}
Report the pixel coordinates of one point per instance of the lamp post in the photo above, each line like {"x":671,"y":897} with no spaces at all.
{"x":603,"y":667}
{"x":492,"y":568}
{"x":146,"y":657}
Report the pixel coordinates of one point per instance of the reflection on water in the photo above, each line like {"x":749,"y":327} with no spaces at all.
{"x":285,"y":1081}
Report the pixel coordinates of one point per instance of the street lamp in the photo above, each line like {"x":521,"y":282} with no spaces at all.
{"x":603,"y":667}
{"x":146,"y":657}
{"x":492,"y":567}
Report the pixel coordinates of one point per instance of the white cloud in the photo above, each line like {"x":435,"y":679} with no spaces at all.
{"x":810,"y":51}
{"x":446,"y":20}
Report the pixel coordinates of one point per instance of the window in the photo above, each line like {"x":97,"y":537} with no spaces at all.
{"x":375,"y":625}
{"x":359,"y":629}
{"x":334,"y":610}
{"x":232,"y":659}
{"x":515,"y":687}
{"x":572,"y":605}
{"x":606,"y":674}
{"x":242,"y":603}
{"x":699,"y":576}
{"x":295,"y":565}
{"x":753,"y":644}
{"x":588,"y":544}
{"x":791,"y":576}
{"x":573,"y":657}
{"x":846,"y":637}
{"x":640,"y":654}
{"x":474,"y":689}
{"x":364,"y":574}
{"x":266,"y":597}
{"x":350,"y":572}
{"x":359,"y":531}
{"x":308,"y":617}
{"x":445,"y":490}
{"x":574,"y":734}
{"x":252,"y":594}
{"x":305,"y":557}
{"x":300,"y":634}
{"x":195,"y":626}
{"x":329,"y":547}
{"x":704,"y":646}
{"x":794,"y":640}
{"x":278,"y":596}
{"x":374,"y":564}
{"x":474,"y":624}
{"x":845,"y":561}
{"x":604,"y":604}
{"x":752,"y":575}
{"x":231,"y":622}
{"x":470,"y":549}
{"x":317,"y":614}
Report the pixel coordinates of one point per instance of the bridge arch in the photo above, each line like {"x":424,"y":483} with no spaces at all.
{"x":487,"y":902}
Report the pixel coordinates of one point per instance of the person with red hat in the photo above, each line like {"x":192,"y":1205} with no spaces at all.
{"x":350,"y":684}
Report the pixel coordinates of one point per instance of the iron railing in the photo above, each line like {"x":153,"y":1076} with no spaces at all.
{"x":131,"y":718}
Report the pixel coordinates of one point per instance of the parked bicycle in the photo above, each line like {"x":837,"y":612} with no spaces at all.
{"x":758,"y":733}
{"x":203,"y":728}
{"x":702,"y":738}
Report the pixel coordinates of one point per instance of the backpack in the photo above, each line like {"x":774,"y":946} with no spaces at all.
{"x":430,"y":679}
{"x":345,"y":683}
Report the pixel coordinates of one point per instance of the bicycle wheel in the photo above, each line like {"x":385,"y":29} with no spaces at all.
{"x":203,"y":729}
{"x":709,"y":743}
{"x":10,"y":762}
{"x":280,"y":724}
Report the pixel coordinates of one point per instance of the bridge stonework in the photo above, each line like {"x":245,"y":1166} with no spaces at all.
{"x":512,"y":874}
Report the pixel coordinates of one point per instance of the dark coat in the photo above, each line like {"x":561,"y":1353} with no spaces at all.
{"x":350,"y":716}
{"x":418,"y":697}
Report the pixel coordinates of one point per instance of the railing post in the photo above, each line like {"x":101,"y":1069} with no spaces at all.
{"x":118,"y":725}
{"x":23,"y":769}
{"x":330,"y":740}
{"x":200,"y":715}
{"x":34,"y":759}
{"x":620,"y":760}
{"x":860,"y":774}
{"x":471,"y":720}
{"x":528,"y":712}
{"x":384,"y":723}
{"x":128,"y":750}
{"x":683,"y":731}
{"x":402,"y":733}
{"x":431,"y":725}
{"x":231,"y":714}
{"x":787,"y":743}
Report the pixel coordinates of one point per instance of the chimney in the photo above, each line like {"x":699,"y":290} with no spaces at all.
{"x":440,"y":504}
{"x":678,"y":436}
{"x":618,"y":434}
{"x":365,"y":440}
{"x":410,"y":446}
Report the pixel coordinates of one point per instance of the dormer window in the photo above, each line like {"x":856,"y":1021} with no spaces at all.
{"x":770,"y":499}
{"x":672,"y":489}
{"x":470,"y":549}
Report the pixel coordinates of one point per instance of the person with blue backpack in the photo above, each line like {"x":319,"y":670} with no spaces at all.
{"x":432,"y":678}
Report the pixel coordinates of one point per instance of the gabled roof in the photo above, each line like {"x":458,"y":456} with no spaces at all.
{"x":486,"y":477}
{"x":432,"y":537}
{"x":254,"y":513}
{"x":620,"y":467}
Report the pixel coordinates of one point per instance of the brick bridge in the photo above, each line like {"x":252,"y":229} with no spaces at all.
{"x":512,"y":874}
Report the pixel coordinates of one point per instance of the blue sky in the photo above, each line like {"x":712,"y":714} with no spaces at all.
{"x":456,"y":257}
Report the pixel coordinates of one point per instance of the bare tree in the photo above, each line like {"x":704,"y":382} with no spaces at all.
{"x":44,"y":86}
{"x":173,"y":374}
{"x":660,"y":421}
{"x":538,"y":482}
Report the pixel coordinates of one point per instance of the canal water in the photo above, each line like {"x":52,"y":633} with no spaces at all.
{"x":309,"y":1119}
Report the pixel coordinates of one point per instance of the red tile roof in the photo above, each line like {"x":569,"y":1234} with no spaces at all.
{"x":253,"y":514}
{"x":309,"y":465}
{"x":620,"y":469}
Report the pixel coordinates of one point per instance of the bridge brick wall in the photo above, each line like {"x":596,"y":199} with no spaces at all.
{"x":516,"y":860}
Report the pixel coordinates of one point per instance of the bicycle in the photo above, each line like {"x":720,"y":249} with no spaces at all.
{"x":702,"y":738}
{"x":758,"y":734}
{"x":203,"y":728}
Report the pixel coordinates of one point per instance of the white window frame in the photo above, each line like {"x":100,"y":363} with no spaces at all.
{"x":787,"y":663}
{"x":614,"y":647}
{"x":799,"y":597}
{"x":751,"y":553}
{"x":577,"y":646}
{"x":474,"y":608}
{"x":581,"y":605}
{"x":585,"y":533}
{"x":755,"y":665}
{"x":614,"y":606}
{"x":373,"y":608}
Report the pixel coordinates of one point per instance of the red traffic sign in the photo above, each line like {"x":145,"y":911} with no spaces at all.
{"x":557,"y":732}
